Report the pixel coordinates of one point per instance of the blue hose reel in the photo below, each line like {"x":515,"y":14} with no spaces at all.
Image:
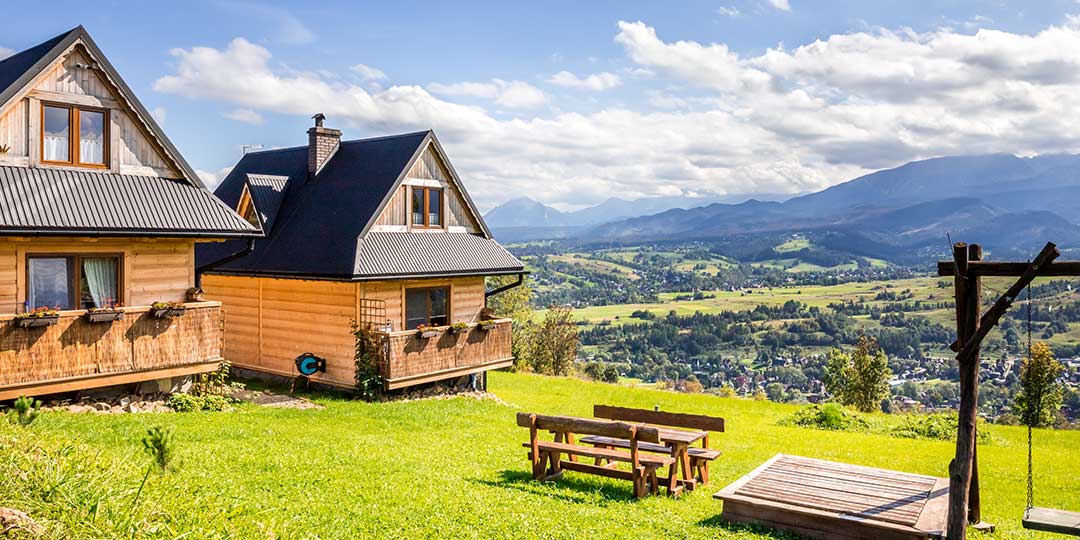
{"x":308,"y":364}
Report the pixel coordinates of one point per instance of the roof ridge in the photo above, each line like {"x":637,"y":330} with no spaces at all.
{"x":350,"y":141}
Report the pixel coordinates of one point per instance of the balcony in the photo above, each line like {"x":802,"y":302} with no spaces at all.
{"x":75,"y":354}
{"x":412,"y":359}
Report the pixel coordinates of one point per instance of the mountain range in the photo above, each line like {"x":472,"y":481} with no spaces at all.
{"x":1005,"y":202}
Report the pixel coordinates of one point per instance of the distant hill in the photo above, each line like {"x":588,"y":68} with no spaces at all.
{"x":527,"y":212}
{"x":1005,"y":202}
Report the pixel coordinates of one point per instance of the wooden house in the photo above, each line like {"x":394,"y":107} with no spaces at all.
{"x":379,"y":231}
{"x":98,"y":213}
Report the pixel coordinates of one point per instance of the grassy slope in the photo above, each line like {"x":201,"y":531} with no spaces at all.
{"x":438,"y":469}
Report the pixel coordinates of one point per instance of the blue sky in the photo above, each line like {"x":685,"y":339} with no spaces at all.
{"x":574,"y":102}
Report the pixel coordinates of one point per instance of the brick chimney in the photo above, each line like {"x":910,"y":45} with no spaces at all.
{"x":322,"y":143}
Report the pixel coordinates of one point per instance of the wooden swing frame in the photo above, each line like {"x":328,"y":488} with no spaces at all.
{"x":967,"y":268}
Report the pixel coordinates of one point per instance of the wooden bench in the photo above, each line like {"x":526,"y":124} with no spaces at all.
{"x":546,"y":456}
{"x":699,"y":457}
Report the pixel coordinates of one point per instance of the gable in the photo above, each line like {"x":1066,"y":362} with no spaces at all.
{"x":429,"y":170}
{"x":75,"y":73}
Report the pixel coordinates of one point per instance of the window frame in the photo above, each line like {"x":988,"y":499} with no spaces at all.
{"x":74,"y":134}
{"x":247,"y":205}
{"x":428,"y":289}
{"x":426,"y":205}
{"x":75,"y":280}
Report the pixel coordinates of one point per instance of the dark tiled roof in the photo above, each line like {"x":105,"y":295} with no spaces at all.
{"x":61,"y":202}
{"x":404,"y":254}
{"x":318,"y":228}
{"x":267,"y":192}
{"x":15,"y":66}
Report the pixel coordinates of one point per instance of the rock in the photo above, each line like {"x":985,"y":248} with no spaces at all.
{"x":132,"y":408}
{"x":79,"y":408}
{"x":13,"y":521}
{"x":124,"y":401}
{"x":101,"y":406}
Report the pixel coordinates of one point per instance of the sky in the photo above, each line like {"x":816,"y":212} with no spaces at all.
{"x":571,"y":103}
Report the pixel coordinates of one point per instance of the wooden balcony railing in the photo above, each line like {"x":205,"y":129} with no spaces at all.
{"x":75,"y":354}
{"x":412,"y":359}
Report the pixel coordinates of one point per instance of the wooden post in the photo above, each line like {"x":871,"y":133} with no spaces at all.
{"x":974,"y":499}
{"x":967,"y":321}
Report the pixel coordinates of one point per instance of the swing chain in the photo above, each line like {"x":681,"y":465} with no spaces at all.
{"x":1030,"y":474}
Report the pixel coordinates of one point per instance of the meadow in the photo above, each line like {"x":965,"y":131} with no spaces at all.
{"x":441,"y":468}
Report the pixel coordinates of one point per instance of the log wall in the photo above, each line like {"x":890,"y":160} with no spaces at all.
{"x":270,"y":321}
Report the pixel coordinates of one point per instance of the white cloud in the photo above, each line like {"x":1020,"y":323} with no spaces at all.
{"x":212,"y":179}
{"x":728,"y":11}
{"x":368,"y":73}
{"x":596,"y":82}
{"x":159,"y":114}
{"x":782,"y":5}
{"x":511,"y":94}
{"x":785,"y":120}
{"x":246,"y":116}
{"x":5,"y":52}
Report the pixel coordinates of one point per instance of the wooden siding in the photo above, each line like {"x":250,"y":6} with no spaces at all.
{"x":159,"y":270}
{"x":13,"y":129}
{"x":269,"y":321}
{"x":131,"y":149}
{"x":396,"y":212}
{"x":428,"y":171}
{"x":33,"y":358}
{"x":413,"y":360}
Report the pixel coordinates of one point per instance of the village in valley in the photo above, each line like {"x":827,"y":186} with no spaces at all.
{"x":748,"y":270}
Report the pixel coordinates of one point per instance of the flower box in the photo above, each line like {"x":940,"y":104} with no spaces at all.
{"x":104,"y":316}
{"x":455,"y":329}
{"x":487,"y":326}
{"x":36,"y":322}
{"x":166,"y":312}
{"x":428,"y":334}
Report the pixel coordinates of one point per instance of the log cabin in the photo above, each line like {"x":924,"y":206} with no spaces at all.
{"x":379,"y":231}
{"x":99,"y":218}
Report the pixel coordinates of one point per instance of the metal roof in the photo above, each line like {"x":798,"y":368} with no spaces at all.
{"x":320,"y":226}
{"x":393,"y":254}
{"x":64,"y":202}
{"x":267,"y":193}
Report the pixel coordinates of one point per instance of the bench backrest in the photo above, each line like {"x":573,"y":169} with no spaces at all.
{"x":690,"y":421}
{"x":589,"y":426}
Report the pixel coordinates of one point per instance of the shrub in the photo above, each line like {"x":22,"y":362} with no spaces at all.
{"x":24,"y":411}
{"x":939,"y":426}
{"x":192,"y":403}
{"x":158,"y":444}
{"x":367,"y":357}
{"x":830,"y":416}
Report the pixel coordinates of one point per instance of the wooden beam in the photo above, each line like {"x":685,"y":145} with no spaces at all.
{"x":1010,"y":269}
{"x":57,"y":386}
{"x":967,"y":320}
{"x":993,"y":315}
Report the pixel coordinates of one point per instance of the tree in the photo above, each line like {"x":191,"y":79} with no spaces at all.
{"x":1040,"y":395}
{"x":516,"y":304}
{"x":554,"y":344}
{"x":860,"y":379}
{"x":775,"y":392}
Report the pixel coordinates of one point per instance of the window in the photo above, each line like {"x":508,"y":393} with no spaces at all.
{"x":88,"y":147}
{"x":72,"y":281}
{"x":427,"y":207}
{"x":429,"y":306}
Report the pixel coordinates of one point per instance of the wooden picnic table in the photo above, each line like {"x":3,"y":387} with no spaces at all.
{"x":679,"y":441}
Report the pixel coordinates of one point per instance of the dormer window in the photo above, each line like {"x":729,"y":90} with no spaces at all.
{"x":85,"y":146}
{"x":427,"y":207}
{"x":246,"y":208}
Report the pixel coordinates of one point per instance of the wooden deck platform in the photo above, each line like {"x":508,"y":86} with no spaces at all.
{"x":824,"y":499}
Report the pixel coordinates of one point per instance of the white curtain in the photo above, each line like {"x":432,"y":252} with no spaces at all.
{"x":56,"y":148}
{"x":91,"y":150}
{"x":100,"y":273}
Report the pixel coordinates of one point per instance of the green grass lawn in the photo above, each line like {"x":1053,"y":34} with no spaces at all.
{"x":441,"y":468}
